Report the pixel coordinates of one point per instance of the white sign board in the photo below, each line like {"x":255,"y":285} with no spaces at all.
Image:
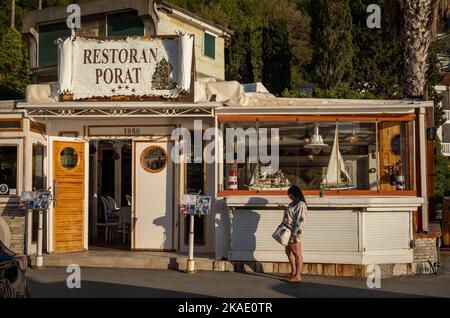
{"x":195,"y":204}
{"x":134,"y":66}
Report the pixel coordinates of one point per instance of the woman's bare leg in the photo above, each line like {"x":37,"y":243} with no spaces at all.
{"x":296,"y":249}
{"x":291,"y":258}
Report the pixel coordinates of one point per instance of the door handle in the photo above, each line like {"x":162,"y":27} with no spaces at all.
{"x":55,"y":193}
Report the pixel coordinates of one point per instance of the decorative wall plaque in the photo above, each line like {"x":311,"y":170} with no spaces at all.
{"x":154,"y":159}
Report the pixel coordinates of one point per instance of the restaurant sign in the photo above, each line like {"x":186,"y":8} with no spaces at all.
{"x":135,"y":66}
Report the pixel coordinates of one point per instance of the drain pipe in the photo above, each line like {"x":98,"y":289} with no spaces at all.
{"x":423,"y":168}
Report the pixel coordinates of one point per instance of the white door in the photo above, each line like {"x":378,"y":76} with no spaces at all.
{"x":153,"y":196}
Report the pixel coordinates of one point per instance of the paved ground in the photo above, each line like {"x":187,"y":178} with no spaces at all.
{"x":136,"y":283}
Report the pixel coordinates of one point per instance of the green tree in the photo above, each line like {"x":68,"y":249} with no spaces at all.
{"x":442,"y":184}
{"x":13,"y":67}
{"x":238,"y":64}
{"x":433,"y":77}
{"x":331,"y":37}
{"x":277,"y":57}
{"x":378,"y":64}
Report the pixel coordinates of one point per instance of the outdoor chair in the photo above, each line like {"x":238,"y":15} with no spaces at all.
{"x":128,"y":199}
{"x":112,"y":204}
{"x":111,"y":219}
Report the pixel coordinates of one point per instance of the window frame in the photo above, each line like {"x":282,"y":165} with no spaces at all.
{"x":38,"y":51}
{"x":33,"y":168}
{"x":17,"y":170}
{"x":14,"y":129}
{"x":186,"y":217}
{"x":37,"y":126}
{"x":377,"y":118}
{"x":205,"y":34}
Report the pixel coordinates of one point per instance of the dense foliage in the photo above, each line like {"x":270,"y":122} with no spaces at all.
{"x":285,"y":44}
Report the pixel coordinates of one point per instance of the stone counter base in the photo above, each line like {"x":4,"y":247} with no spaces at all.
{"x":16,"y":223}
{"x":331,"y":270}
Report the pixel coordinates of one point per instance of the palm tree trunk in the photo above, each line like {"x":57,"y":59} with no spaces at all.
{"x":419,"y":17}
{"x":13,"y":14}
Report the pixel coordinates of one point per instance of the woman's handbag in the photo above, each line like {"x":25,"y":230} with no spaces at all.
{"x":282,"y":234}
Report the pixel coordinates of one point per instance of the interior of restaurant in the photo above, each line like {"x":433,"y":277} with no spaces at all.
{"x":329,"y":156}
{"x":111,"y":186}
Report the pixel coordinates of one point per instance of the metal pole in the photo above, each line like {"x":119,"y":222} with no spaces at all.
{"x":191,"y":263}
{"x":39,"y":257}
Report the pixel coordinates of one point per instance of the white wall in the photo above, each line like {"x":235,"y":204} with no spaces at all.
{"x":169,"y":25}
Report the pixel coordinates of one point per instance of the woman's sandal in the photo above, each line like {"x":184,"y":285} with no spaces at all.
{"x":294,"y":280}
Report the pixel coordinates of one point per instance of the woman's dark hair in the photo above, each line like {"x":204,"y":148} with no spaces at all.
{"x":297,"y":193}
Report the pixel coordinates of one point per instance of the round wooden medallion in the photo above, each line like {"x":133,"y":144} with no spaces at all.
{"x":395,"y":145}
{"x":154,"y":159}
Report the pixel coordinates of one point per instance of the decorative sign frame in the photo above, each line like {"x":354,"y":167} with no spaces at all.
{"x":127,"y":68}
{"x":154,"y":159}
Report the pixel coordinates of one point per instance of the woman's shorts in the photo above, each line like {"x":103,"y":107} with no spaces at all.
{"x":294,"y":239}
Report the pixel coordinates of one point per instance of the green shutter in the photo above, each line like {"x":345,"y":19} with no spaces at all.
{"x":48,"y":34}
{"x":210,"y":45}
{"x":125,"y":23}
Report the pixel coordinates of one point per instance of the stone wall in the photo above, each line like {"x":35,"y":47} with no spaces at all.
{"x":16,"y":222}
{"x":332,"y":270}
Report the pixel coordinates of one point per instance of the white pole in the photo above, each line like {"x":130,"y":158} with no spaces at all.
{"x":39,"y":257}
{"x":191,"y":263}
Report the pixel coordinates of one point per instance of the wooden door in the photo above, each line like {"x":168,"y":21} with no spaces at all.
{"x":153,"y":196}
{"x":68,"y":195}
{"x":388,"y":158}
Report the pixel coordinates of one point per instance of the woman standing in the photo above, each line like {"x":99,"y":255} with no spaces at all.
{"x":294,"y":218}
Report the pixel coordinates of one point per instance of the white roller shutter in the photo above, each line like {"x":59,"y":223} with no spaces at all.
{"x":251,"y":230}
{"x":386,"y":230}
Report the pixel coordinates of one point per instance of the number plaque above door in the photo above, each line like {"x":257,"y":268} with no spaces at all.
{"x":136,"y":130}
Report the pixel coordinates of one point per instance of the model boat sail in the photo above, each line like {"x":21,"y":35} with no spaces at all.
{"x":337,"y":176}
{"x":268,"y":178}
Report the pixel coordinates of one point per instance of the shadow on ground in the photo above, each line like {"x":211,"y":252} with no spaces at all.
{"x":92,"y":289}
{"x":307,"y":289}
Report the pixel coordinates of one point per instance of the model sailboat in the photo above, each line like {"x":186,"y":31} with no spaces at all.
{"x":337,"y":177}
{"x":268,"y":178}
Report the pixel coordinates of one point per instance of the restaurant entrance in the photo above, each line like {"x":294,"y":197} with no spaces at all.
{"x":110,"y":194}
{"x":131,"y":194}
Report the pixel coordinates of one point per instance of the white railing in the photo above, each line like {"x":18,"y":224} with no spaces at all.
{"x":446,"y":148}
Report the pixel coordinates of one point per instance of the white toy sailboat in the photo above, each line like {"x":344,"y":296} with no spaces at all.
{"x":337,"y":177}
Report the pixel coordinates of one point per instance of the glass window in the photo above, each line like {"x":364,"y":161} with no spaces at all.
{"x":48,"y":34}
{"x":210,"y":45}
{"x":38,"y":127}
{"x":38,"y":167}
{"x":8,"y":170}
{"x":125,"y":23}
{"x":396,"y":156}
{"x":10,"y":124}
{"x":194,"y":184}
{"x":69,"y":158}
{"x":323,"y":156}
{"x":39,"y":183}
{"x":199,"y":229}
